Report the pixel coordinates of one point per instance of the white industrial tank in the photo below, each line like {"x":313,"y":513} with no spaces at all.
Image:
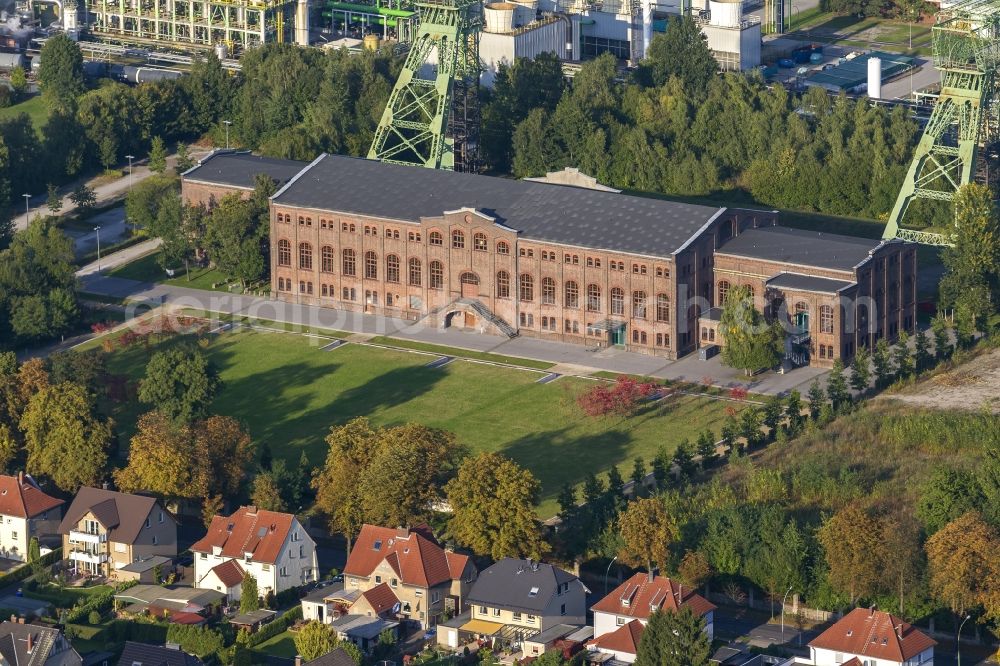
{"x":725,"y":13}
{"x":875,"y":78}
{"x":525,"y":12}
{"x":500,"y":16}
{"x":221,"y":51}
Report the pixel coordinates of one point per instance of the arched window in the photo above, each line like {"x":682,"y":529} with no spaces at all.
{"x":801,"y":308}
{"x":437,"y":275}
{"x":479,"y":242}
{"x":350,"y":262}
{"x":572,"y":294}
{"x":548,"y":290}
{"x":639,"y":304}
{"x":662,"y":308}
{"x":434,"y":238}
{"x":391,"y":268}
{"x":415,"y":272}
{"x":618,"y":301}
{"x":527,"y":285}
{"x":503,"y":284}
{"x":593,"y":298}
{"x":371,"y":265}
{"x":305,"y":256}
{"x":723,"y":292}
{"x":284,"y":253}
{"x":457,"y":240}
{"x":326,"y":259}
{"x":503,"y":247}
{"x":469,"y":278}
{"x":825,"y":319}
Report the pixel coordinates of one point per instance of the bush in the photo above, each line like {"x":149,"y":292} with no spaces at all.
{"x":99,"y":602}
{"x":199,"y":641}
{"x":94,"y":618}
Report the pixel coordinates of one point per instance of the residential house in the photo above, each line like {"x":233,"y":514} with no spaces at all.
{"x":144,"y":654}
{"x":621,"y":616}
{"x":31,"y":645}
{"x":179,"y":605}
{"x":515,"y":599}
{"x":357,"y":616}
{"x":873,"y":637}
{"x":25,"y":512}
{"x":104,"y":530}
{"x":428,"y":581}
{"x":273,"y":547}
{"x":338,"y":657}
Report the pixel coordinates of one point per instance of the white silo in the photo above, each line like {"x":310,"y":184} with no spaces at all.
{"x":725,"y":13}
{"x":875,"y":78}
{"x":499,"y":17}
{"x":647,"y":24}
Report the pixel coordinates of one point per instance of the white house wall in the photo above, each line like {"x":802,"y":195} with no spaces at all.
{"x":822,"y":657}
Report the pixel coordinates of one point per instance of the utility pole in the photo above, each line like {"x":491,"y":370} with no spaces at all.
{"x":27,"y":208}
{"x":227,"y":123}
{"x":607,"y":573}
{"x":98,"y":230}
{"x":783,"y":614}
{"x":958,"y":641}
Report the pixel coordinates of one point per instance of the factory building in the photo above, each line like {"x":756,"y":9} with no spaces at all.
{"x":534,"y":258}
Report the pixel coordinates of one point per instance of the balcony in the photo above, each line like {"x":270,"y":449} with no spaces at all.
{"x":799,"y":335}
{"x":77,"y":536}
{"x":86,"y":556}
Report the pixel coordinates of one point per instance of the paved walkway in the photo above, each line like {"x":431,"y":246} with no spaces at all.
{"x":363,"y":326}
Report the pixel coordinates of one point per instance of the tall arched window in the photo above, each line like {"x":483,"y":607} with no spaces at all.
{"x":435,"y":238}
{"x":350,"y":267}
{"x":618,"y":301}
{"x":503,"y":247}
{"x":479,"y":242}
{"x":415,"y":272}
{"x":527,"y":285}
{"x":457,"y":240}
{"x":326,"y":259}
{"x":572,"y":294}
{"x":548,"y":291}
{"x":593,"y":298}
{"x":825,"y":319}
{"x":662,"y":308}
{"x":723,"y":291}
{"x":305,"y":256}
{"x":503,"y":284}
{"x":391,"y":268}
{"x":639,"y":304}
{"x":284,"y":253}
{"x":437,"y":275}
{"x":371,"y":265}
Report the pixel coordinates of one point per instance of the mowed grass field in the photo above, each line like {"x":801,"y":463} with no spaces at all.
{"x":33,"y":106}
{"x":289,"y":393}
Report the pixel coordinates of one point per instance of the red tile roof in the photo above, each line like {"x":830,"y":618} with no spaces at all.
{"x":249,"y":530}
{"x":381,"y":598}
{"x":416,"y":558}
{"x":623,"y":639}
{"x":876,"y":634}
{"x":229,"y":572}
{"x":21,"y":498}
{"x":456,"y":564}
{"x":638,"y":597}
{"x":186,"y":618}
{"x":853,"y":661}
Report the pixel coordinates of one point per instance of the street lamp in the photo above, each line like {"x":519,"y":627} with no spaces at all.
{"x":130,"y":158}
{"x":98,"y":230}
{"x":27,"y":207}
{"x":958,"y":641}
{"x":607,"y":573}
{"x":783,"y":613}
{"x":227,"y":123}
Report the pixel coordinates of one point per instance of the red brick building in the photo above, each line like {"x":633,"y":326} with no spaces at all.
{"x":591,"y":267}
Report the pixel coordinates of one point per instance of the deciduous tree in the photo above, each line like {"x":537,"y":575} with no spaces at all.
{"x":493,"y":508}
{"x":163,"y":459}
{"x":881,"y":364}
{"x":852,"y":547}
{"x":314,"y":640}
{"x":647,"y":530}
{"x":681,"y":51}
{"x":750,"y":342}
{"x":158,"y":155}
{"x":61,"y":72}
{"x":64,"y":439}
{"x":674,"y":638}
{"x":180,"y":382}
{"x":861,"y":373}
{"x":948,"y":494}
{"x":963,"y":565}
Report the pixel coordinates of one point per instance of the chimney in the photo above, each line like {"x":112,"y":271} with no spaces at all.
{"x":13,"y":618}
{"x":104,"y":485}
{"x":31,"y":642}
{"x":298,"y":660}
{"x":871,"y":611}
{"x":20,"y":478}
{"x":20,"y":620}
{"x":251,"y":510}
{"x":650,"y":576}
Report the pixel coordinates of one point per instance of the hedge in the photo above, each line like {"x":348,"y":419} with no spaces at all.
{"x":25,"y":570}
{"x":275,"y":627}
{"x":143,"y":632}
{"x":199,"y":641}
{"x":99,"y":602}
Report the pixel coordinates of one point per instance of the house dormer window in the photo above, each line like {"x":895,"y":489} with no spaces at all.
{"x":377,"y":545}
{"x":620,"y":621}
{"x":533,"y":592}
{"x":378,"y":579}
{"x":626,"y":603}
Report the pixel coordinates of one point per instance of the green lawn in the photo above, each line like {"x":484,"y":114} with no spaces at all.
{"x":145,"y":269}
{"x":33,"y":106}
{"x":65,"y":597}
{"x":462,"y":353}
{"x":289,"y":393}
{"x":282,"y":645}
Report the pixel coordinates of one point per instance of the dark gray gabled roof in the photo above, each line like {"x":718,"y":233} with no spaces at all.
{"x":797,"y":246}
{"x":122,"y":514}
{"x":796,"y":281}
{"x":540,"y":211}
{"x":144,"y":654}
{"x":522,"y":585}
{"x":238,"y":169}
{"x":338,"y":657}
